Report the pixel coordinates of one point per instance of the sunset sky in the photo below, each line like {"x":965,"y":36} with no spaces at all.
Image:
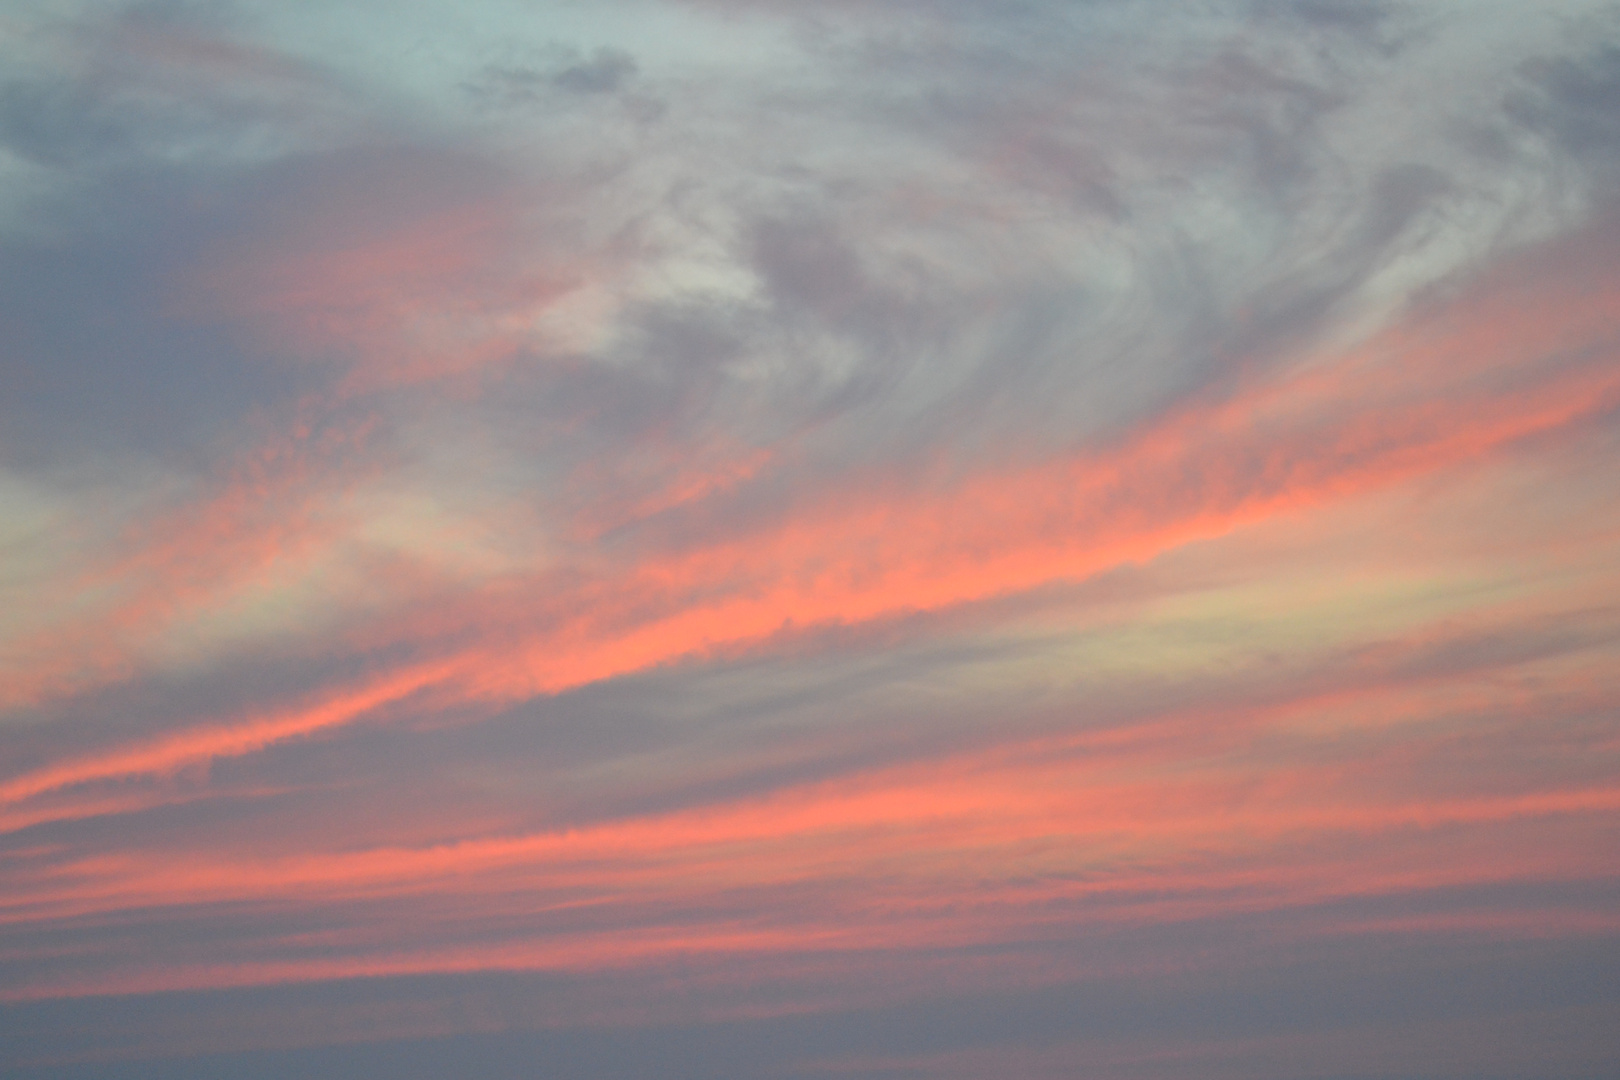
{"x":854,"y":540}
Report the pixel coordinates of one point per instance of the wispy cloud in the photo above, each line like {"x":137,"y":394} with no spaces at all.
{"x":867,"y":499}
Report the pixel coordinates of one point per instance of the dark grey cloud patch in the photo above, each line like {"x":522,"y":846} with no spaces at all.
{"x":605,"y":71}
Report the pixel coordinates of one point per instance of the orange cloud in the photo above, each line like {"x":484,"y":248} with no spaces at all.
{"x":1436,"y":395}
{"x":1525,"y":356}
{"x":180,"y":749}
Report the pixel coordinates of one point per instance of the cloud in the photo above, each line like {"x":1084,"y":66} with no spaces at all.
{"x":724,"y":515}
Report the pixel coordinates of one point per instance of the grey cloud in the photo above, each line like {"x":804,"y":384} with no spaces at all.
{"x":1287,"y":313}
{"x":901,"y":376}
{"x":59,"y":123}
{"x":129,"y":109}
{"x":606,"y":71}
{"x":892,"y":356}
{"x":1247,"y":127}
{"x":1578,"y":102}
{"x":77,"y":124}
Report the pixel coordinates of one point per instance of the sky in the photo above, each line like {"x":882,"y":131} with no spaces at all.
{"x":859,"y":540}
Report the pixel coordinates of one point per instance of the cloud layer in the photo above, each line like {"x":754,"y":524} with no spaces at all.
{"x":865,"y":539}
